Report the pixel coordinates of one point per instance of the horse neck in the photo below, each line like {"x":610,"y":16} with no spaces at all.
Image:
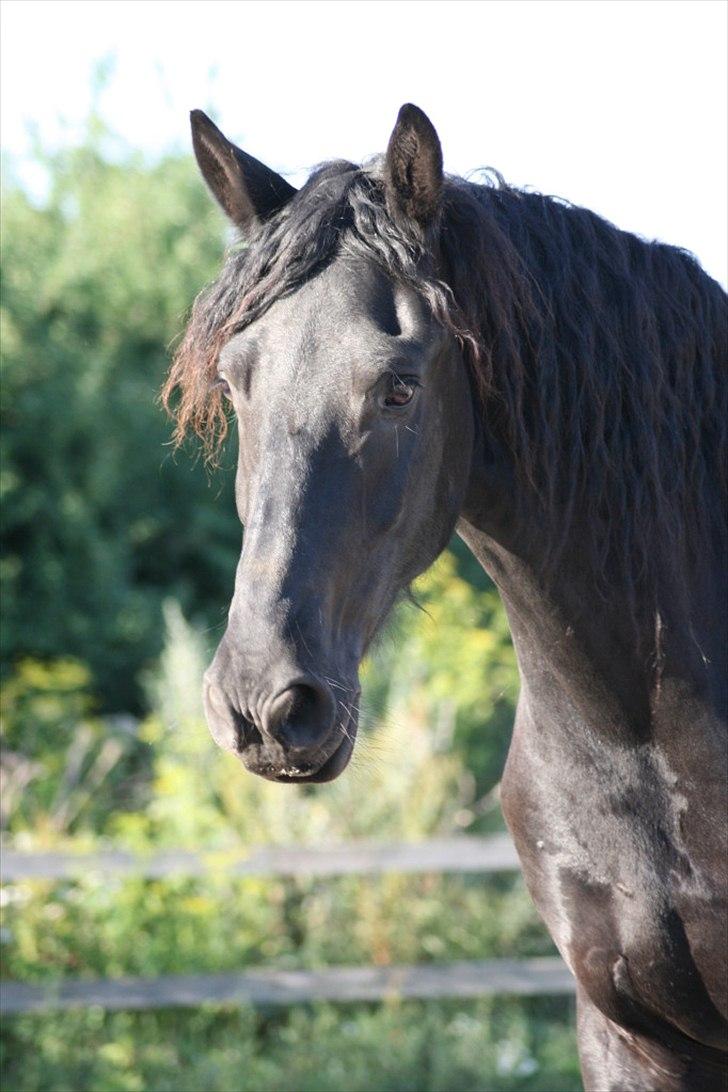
{"x":584,"y":661}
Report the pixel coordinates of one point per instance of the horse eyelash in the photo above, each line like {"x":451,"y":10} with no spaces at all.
{"x":406,"y":380}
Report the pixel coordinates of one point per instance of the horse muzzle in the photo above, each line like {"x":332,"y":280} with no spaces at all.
{"x":299,"y":733}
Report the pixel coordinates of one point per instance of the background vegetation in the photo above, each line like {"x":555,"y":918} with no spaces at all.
{"x":117,"y":562}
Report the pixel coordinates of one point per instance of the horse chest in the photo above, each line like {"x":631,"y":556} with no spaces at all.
{"x":635,"y":915}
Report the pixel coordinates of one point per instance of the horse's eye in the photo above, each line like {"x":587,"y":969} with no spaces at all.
{"x":223,"y":386}
{"x":401,"y":392}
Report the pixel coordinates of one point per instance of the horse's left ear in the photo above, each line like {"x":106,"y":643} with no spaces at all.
{"x":413,"y":167}
{"x":248,"y":191}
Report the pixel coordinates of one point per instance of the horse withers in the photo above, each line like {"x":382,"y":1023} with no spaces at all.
{"x":408,"y":354}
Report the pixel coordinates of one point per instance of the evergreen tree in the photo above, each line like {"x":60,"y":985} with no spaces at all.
{"x":100,"y":520}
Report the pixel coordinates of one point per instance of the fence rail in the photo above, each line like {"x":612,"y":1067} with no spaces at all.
{"x":275,"y":987}
{"x":459,"y":854}
{"x":263,"y":988}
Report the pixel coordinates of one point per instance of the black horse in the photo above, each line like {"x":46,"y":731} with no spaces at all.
{"x":408,"y":354}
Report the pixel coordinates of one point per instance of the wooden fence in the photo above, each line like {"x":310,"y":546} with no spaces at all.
{"x":460,"y":854}
{"x":274,"y":987}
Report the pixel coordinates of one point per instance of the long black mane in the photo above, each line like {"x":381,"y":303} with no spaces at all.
{"x":598,"y":356}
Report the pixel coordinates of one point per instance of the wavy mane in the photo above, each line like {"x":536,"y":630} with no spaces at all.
{"x":599,"y":357}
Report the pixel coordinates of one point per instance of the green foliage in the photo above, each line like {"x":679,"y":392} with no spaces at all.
{"x":100,"y":522}
{"x":63,"y":769}
{"x":404,"y":782}
{"x":437,"y":705}
{"x":100,"y":927}
{"x":407,"y":782}
{"x":453,"y":669}
{"x":485,"y":1046}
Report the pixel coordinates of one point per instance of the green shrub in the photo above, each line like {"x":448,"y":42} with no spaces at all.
{"x":63,"y":768}
{"x":99,"y":521}
{"x":407,"y":781}
{"x":495,"y":1045}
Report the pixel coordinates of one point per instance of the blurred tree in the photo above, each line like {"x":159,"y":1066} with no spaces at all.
{"x":100,"y":520}
{"x":450,"y":667}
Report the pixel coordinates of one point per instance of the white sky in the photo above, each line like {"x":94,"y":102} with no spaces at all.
{"x":619,"y":105}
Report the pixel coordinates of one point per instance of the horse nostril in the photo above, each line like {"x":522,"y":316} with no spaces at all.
{"x":300,"y":716}
{"x":230,"y":728}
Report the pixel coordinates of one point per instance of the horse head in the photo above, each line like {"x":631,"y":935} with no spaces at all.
{"x":355,"y":434}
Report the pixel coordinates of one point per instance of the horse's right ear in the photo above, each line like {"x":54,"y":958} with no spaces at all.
{"x":248,"y":191}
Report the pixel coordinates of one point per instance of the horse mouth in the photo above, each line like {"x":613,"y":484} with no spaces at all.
{"x":308,"y":751}
{"x":298,"y":773}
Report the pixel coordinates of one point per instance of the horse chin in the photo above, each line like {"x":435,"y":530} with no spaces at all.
{"x":297,"y":772}
{"x":329,"y":771}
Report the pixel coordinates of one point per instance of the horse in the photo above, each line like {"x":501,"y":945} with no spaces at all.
{"x":409,"y":354}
